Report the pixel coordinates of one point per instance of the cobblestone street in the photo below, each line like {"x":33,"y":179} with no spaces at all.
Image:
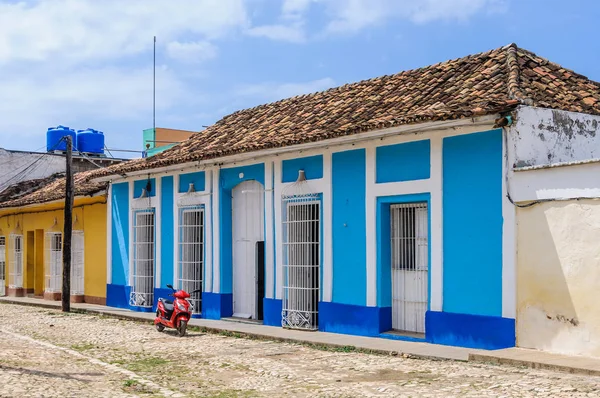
{"x":45,"y":353}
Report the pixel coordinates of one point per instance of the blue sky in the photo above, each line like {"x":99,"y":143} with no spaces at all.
{"x":88,"y":63}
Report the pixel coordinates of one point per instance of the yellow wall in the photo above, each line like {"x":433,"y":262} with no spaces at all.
{"x":558,"y":277}
{"x":89,"y":215}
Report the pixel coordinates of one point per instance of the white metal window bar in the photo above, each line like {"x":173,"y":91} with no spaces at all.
{"x":409,"y":257}
{"x":2,"y":265}
{"x":191,"y":253}
{"x":54,"y":263}
{"x":15,"y":280}
{"x":142,"y":289}
{"x":77,"y":263}
{"x":301,"y":261}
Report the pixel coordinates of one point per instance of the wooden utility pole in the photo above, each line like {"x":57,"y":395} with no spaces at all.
{"x":68,"y":228}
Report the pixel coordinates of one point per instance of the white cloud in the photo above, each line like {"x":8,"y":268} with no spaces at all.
{"x":191,"y":52}
{"x":77,"y":30}
{"x":292,"y":33}
{"x":271,"y":91}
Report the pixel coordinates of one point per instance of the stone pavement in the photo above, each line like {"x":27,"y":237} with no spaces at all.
{"x":512,"y":356}
{"x":55,"y":354}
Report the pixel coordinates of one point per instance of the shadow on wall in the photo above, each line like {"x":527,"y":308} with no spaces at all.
{"x":558,"y":274}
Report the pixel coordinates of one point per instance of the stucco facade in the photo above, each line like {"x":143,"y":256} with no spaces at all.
{"x":553,"y":179}
{"x":456,"y":173}
{"x":33,"y":223}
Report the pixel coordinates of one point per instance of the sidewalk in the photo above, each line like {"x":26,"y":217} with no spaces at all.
{"x":511,"y":356}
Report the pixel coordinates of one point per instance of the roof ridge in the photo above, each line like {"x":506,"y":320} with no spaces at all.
{"x":514,"y":75}
{"x":382,"y":77}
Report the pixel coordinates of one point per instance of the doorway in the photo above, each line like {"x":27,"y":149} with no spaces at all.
{"x":29,"y":285}
{"x":38,"y":288}
{"x":248,"y":213}
{"x":409,"y":262}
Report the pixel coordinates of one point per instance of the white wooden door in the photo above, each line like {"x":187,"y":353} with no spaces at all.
{"x":248,"y":212}
{"x":410,"y":263}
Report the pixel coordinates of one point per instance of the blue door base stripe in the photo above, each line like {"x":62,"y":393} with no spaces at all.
{"x":272,"y":312}
{"x":217,"y":305}
{"x":472,"y":331}
{"x":354,"y":319}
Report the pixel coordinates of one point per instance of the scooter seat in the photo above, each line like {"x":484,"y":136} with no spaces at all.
{"x":168,"y":304}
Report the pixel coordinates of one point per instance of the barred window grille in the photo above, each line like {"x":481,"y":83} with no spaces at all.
{"x":142,"y":289}
{"x":15,"y":280}
{"x":191,"y":253}
{"x":2,"y":265}
{"x":77,"y":263}
{"x":409,"y":255}
{"x":301,"y":261}
{"x":54,"y":263}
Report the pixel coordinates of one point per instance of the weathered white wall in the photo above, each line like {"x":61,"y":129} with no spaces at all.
{"x":542,"y":136}
{"x":13,"y":163}
{"x":558,"y":275}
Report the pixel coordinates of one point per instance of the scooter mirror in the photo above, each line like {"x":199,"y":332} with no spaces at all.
{"x":170,"y":286}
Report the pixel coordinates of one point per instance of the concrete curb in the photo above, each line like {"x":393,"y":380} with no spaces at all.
{"x":495,"y":360}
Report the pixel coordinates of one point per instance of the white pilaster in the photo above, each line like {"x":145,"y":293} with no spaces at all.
{"x":158,"y":231}
{"x":216,"y":286}
{"x":278,"y":231}
{"x":109,"y":213}
{"x":130,"y":194}
{"x":509,"y":244}
{"x":175,"y":230}
{"x":371,"y":222}
{"x":208,"y":236}
{"x":327,"y":229}
{"x":269,"y":233}
{"x":436,"y":214}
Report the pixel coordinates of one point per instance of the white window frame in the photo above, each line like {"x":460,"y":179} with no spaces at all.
{"x":191,"y":280}
{"x":144,"y":259}
{"x":409,"y":257}
{"x":299,"y":309}
{"x":15,"y":280}
{"x":53,"y":263}
{"x":77,"y":263}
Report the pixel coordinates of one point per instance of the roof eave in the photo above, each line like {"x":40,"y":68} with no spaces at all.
{"x":484,"y":120}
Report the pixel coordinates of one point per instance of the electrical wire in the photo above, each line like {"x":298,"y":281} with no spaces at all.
{"x":29,"y":169}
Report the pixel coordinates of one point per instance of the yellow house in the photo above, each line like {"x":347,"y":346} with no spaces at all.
{"x":31,"y":227}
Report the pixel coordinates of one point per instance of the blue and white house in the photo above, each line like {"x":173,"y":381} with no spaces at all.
{"x":378,"y":208}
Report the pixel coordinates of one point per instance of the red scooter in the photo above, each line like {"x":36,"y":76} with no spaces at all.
{"x":174,"y":315}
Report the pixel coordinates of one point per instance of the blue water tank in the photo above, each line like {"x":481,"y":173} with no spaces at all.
{"x":90,"y":141}
{"x":54,"y":136}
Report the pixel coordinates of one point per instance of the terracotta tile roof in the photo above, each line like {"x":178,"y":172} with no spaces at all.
{"x":55,"y":190}
{"x":485,"y":83}
{"x":23,"y":188}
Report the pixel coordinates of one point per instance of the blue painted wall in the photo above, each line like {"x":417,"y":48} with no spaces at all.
{"x":403,"y":162}
{"x":228,"y":179}
{"x":167,"y":231}
{"x":349,"y":225}
{"x":384,"y":269}
{"x":472,"y":205}
{"x":312,"y":166}
{"x":198,"y":179}
{"x":120,"y":233}
{"x":139,"y":185}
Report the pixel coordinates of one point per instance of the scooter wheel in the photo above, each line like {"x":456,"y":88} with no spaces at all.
{"x":160,"y":327}
{"x":182,"y":328}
